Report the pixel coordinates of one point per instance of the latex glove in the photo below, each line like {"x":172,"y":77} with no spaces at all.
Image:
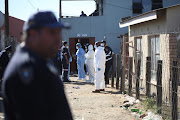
{"x":99,"y":69}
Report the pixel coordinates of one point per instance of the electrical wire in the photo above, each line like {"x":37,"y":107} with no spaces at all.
{"x":32,"y":5}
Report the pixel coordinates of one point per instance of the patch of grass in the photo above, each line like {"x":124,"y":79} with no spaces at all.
{"x":151,"y":104}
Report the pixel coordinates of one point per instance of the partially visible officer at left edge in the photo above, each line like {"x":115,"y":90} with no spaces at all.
{"x":4,"y":59}
{"x":31,"y":87}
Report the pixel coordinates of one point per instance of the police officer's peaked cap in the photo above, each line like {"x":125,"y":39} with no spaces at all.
{"x":43,"y":19}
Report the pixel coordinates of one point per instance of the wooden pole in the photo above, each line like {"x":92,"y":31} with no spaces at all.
{"x":60,"y":10}
{"x":159,"y":85}
{"x":174,"y":112}
{"x":113,"y":68}
{"x":122,"y":88}
{"x":6,"y":23}
{"x":137,"y":80}
{"x":60,"y":14}
{"x":117,"y":71}
{"x":130,"y":75}
{"x":148,"y":76}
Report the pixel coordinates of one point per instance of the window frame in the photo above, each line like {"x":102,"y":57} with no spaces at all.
{"x":155,"y":57}
{"x":141,"y":53}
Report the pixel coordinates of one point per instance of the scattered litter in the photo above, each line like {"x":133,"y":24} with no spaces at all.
{"x":140,"y":112}
{"x":127,"y":104}
{"x":131,"y":100}
{"x":126,"y":101}
{"x":135,"y":110}
{"x":76,"y":87}
{"x":135,"y":115}
{"x":152,"y":116}
{"x":137,"y":101}
{"x":143,"y":115}
{"x":112,"y":105}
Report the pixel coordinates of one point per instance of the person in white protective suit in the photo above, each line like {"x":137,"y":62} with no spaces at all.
{"x":99,"y":64}
{"x":90,"y":63}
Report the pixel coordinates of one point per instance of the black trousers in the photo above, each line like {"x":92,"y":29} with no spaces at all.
{"x":106,"y":74}
{"x":65,"y":71}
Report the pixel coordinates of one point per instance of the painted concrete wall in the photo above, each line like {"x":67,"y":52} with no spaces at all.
{"x":15,"y":27}
{"x":100,"y":26}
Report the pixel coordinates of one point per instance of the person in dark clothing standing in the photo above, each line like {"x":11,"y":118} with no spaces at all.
{"x":31,"y":88}
{"x":65,"y":62}
{"x":109,"y":61}
{"x":4,"y":59}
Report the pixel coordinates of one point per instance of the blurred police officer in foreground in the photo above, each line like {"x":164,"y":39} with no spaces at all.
{"x":4,"y":59}
{"x":31,"y":87}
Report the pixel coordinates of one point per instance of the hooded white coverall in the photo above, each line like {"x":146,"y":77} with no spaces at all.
{"x":90,"y":63}
{"x":99,"y":64}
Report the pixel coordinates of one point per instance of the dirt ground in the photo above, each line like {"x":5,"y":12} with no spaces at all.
{"x":86,"y":105}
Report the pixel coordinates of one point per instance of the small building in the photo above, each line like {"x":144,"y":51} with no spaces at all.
{"x":155,"y":34}
{"x":15,"y":30}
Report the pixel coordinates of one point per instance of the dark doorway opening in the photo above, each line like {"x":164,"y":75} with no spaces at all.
{"x":72,"y":47}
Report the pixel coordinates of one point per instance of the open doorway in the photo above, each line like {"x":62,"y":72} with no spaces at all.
{"x":72,"y":47}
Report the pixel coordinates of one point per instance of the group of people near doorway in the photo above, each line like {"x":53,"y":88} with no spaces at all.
{"x":98,"y":64}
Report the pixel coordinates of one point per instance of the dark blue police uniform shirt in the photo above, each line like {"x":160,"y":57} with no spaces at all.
{"x":32,"y":89}
{"x":109,"y":53}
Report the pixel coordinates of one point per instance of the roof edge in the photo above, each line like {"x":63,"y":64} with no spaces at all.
{"x":122,"y":24}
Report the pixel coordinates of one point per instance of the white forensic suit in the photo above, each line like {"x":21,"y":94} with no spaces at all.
{"x":90,"y":63}
{"x":99,"y":64}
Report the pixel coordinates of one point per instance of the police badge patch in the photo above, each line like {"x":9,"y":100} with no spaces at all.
{"x":26,"y":74}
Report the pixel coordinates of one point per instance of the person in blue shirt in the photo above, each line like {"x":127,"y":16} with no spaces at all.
{"x":80,"y":54}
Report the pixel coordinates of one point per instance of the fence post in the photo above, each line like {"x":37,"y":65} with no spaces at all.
{"x":137,"y":79}
{"x":174,"y":90}
{"x":113,"y":67}
{"x":148,"y":76}
{"x":117,"y":71}
{"x":122,"y":88}
{"x":130,"y":75}
{"x":159,"y":85}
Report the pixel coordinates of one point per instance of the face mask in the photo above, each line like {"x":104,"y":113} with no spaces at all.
{"x":77,"y":47}
{"x":95,"y":46}
{"x":102,"y":44}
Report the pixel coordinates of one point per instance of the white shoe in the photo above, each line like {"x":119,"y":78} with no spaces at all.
{"x":79,"y":79}
{"x":84,"y":79}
